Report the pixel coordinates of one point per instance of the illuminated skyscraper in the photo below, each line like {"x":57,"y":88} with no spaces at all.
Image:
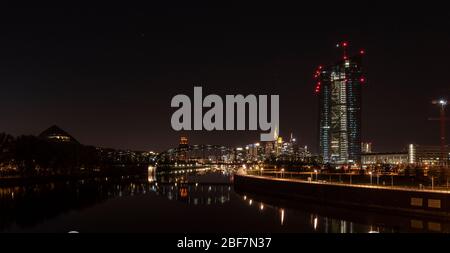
{"x":339,"y":90}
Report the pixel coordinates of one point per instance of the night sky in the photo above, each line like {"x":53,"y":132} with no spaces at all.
{"x":107,"y":75}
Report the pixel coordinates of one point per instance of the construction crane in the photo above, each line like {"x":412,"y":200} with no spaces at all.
{"x":442,"y":103}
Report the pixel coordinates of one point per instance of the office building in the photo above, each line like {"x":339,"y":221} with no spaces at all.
{"x":339,"y":91}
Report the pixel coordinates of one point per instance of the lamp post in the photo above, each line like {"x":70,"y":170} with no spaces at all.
{"x":370,"y":174}
{"x":315,"y":171}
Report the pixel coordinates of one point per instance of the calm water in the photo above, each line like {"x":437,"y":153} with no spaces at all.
{"x":195,"y":202}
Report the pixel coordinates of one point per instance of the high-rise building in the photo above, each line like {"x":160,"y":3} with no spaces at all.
{"x":366,"y":147}
{"x":339,"y":90}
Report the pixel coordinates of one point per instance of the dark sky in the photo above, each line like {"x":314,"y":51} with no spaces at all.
{"x":107,"y":74}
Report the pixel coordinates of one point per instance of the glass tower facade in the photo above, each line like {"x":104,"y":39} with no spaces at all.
{"x":339,"y":90}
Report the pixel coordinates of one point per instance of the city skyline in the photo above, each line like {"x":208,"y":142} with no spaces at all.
{"x":109,"y":83}
{"x":247,"y":125}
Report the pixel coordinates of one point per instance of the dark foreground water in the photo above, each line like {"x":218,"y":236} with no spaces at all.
{"x":204,"y":202}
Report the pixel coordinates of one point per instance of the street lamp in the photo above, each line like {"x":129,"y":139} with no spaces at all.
{"x":315,"y":171}
{"x":370,"y":173}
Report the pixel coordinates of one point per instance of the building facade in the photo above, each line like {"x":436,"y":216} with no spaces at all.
{"x":418,"y":155}
{"x":366,"y":147}
{"x":393,"y":158}
{"x":427,"y":155}
{"x":339,"y":90}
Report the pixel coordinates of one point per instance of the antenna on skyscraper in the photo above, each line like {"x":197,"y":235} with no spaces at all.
{"x":344,"y":46}
{"x":316,"y":76}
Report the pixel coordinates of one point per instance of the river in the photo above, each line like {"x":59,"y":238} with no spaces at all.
{"x":201,"y":201}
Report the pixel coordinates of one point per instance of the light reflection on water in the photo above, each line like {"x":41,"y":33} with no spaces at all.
{"x":178,"y":203}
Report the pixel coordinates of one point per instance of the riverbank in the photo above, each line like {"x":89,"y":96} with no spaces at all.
{"x":42,"y":179}
{"x":378,"y":198}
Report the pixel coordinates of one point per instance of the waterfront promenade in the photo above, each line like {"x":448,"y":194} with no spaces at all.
{"x":395,"y":199}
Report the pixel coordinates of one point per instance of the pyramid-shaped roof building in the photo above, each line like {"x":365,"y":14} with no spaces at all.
{"x":54,"y":133}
